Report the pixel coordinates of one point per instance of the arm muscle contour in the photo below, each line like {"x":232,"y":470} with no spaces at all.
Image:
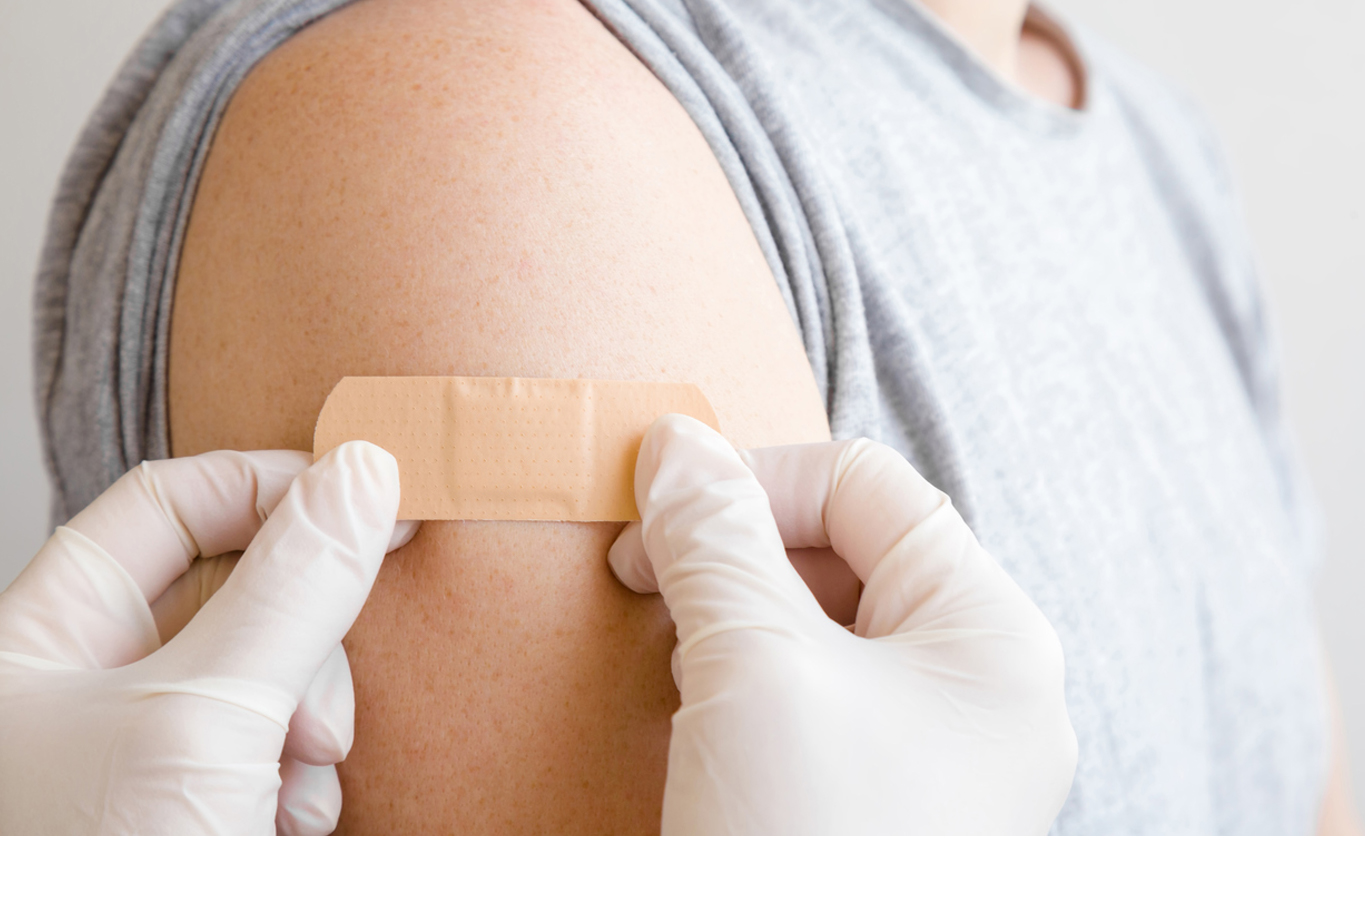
{"x":445,"y":187}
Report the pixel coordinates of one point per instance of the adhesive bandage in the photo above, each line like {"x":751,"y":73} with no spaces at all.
{"x":507,"y":449}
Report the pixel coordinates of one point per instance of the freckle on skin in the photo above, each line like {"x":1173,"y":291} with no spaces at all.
{"x":475,"y":689}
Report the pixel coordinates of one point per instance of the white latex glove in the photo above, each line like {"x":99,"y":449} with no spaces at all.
{"x":942,"y":712}
{"x":105,"y":729}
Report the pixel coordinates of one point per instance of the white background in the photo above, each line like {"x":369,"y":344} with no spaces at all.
{"x":1284,"y":83}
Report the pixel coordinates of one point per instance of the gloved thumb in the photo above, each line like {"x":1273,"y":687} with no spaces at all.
{"x":301,"y":583}
{"x":709,"y":534}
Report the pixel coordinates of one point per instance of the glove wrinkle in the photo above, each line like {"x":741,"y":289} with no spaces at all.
{"x":103,"y":620}
{"x":145,"y":475}
{"x":323,"y":725}
{"x":721,"y":628}
{"x":247,"y":695}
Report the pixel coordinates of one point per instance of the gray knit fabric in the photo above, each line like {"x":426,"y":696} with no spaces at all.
{"x":1054,"y":314}
{"x":107,"y":274}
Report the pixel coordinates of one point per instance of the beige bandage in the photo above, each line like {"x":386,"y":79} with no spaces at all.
{"x":507,"y":449}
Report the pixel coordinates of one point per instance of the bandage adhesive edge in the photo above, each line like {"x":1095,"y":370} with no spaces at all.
{"x":507,"y":449}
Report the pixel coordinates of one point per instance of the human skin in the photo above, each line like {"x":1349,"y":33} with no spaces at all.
{"x":1016,"y":46}
{"x":437,"y":187}
{"x":447,"y":187}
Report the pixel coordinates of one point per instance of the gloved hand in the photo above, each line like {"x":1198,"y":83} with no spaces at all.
{"x":235,"y":723}
{"x":941,"y":712}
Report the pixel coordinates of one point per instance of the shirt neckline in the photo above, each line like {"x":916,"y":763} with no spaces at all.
{"x":1011,"y":101}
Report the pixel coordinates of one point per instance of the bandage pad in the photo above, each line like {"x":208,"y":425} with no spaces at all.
{"x":507,"y":449}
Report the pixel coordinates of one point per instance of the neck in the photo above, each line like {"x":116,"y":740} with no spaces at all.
{"x":991,"y":28}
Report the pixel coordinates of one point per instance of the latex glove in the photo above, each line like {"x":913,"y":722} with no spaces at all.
{"x":235,"y":724}
{"x":943,"y":713}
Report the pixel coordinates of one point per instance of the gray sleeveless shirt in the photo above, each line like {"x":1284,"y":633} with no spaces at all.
{"x":1053,"y":314}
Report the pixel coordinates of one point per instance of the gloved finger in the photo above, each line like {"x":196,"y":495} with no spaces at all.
{"x":159,"y":516}
{"x":173,"y":610}
{"x":857,"y":496}
{"x":84,"y":599}
{"x":309,"y":800}
{"x":301,"y":583}
{"x":827,"y":576}
{"x":403,"y":532}
{"x":899,"y":533}
{"x":75,"y":606}
{"x":710,"y":535}
{"x":323,"y":726}
{"x":799,"y":482}
{"x":629,"y":562}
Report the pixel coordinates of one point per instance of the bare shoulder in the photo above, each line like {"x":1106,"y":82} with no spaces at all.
{"x":456,"y":187}
{"x":419,"y":187}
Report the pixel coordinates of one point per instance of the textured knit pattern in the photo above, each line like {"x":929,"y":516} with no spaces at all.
{"x":1054,"y":314}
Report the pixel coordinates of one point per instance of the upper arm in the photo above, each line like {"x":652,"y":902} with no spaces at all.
{"x":445,"y":187}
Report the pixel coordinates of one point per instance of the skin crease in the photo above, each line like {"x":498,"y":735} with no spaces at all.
{"x":447,"y":187}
